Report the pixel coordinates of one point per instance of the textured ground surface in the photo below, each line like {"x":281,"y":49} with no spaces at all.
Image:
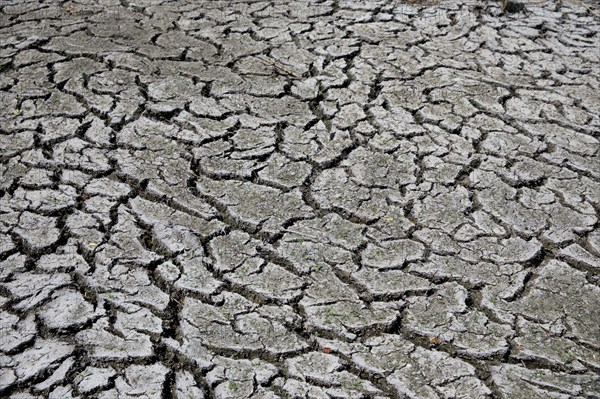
{"x":353,"y":199}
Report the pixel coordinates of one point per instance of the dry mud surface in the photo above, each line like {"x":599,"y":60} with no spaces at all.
{"x":293,"y":199}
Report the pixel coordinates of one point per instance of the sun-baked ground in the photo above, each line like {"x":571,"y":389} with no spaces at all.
{"x":299,"y":199}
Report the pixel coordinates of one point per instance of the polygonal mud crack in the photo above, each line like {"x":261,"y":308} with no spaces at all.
{"x":295,"y":199}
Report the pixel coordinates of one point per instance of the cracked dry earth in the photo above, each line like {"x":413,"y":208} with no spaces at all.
{"x":292,"y":199}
